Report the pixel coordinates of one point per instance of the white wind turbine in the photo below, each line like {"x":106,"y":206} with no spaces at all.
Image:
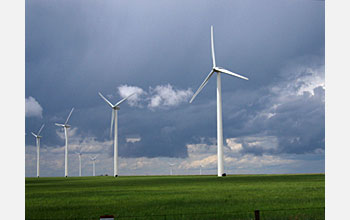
{"x":79,"y":155}
{"x":114,"y":118}
{"x":200,"y":169}
{"x":37,"y":137}
{"x":218,"y":71}
{"x":93,"y":164}
{"x":65,"y":127}
{"x":171,"y":168}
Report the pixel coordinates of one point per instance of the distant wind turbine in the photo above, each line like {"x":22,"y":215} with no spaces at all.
{"x":37,"y":137}
{"x":218,"y":71}
{"x":79,"y":155}
{"x":200,"y":169}
{"x":114,"y":118}
{"x":66,"y":126}
{"x":93,"y":164}
{"x":171,"y":168}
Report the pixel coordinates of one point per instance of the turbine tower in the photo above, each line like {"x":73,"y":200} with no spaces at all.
{"x":218,"y":71}
{"x":114,"y":118}
{"x":79,"y":155}
{"x":171,"y":168}
{"x":65,"y":127}
{"x":37,"y":136}
{"x":93,"y":164}
{"x":200,"y":169}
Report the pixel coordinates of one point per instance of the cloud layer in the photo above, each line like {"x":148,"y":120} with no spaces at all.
{"x":199,"y":155}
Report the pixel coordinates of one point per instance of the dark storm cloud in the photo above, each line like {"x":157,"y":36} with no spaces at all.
{"x":289,"y":110}
{"x":76,"y":48}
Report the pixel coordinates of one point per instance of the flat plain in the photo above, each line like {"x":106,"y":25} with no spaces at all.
{"x":292,"y":196}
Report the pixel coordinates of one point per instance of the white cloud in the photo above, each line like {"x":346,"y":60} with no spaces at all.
{"x":33,"y":108}
{"x":299,"y":80}
{"x":314,"y":79}
{"x":133,"y":139}
{"x":159,"y":96}
{"x":166,"y":95}
{"x":206,"y":154}
{"x":134,"y":100}
{"x":260,"y":142}
{"x":233,"y":145}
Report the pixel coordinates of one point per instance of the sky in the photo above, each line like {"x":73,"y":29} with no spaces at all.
{"x":273,"y":123}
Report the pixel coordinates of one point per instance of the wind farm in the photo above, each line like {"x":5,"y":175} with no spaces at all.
{"x":196,"y":191}
{"x":145,"y":140}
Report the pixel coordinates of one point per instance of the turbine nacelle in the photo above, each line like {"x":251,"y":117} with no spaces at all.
{"x":35,"y":135}
{"x":93,"y":158}
{"x":114,"y":107}
{"x":38,"y":135}
{"x":80,"y":152}
{"x":65,"y":124}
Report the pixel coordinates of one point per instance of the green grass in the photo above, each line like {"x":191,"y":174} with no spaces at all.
{"x":299,"y":196}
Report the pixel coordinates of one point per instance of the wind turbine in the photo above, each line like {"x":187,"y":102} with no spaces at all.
{"x":93,"y":164}
{"x":218,"y":71}
{"x":79,"y":155}
{"x":37,"y":136}
{"x":66,"y":126}
{"x":171,"y":168}
{"x":200,"y":169}
{"x":114,"y":118}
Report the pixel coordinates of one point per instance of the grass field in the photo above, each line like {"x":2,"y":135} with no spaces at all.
{"x":299,"y":196}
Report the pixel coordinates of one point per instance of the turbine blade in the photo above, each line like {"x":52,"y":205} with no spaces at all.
{"x":106,"y":100}
{"x":202,"y":85}
{"x":231,"y":73}
{"x":69,"y":115}
{"x":62,"y":125}
{"x":212,"y":46}
{"x":121,"y":101}
{"x":42,"y":126}
{"x":34,"y":134}
{"x":112,"y":119}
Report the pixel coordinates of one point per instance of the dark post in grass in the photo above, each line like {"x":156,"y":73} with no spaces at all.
{"x":257,"y":214}
{"x":107,"y":217}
